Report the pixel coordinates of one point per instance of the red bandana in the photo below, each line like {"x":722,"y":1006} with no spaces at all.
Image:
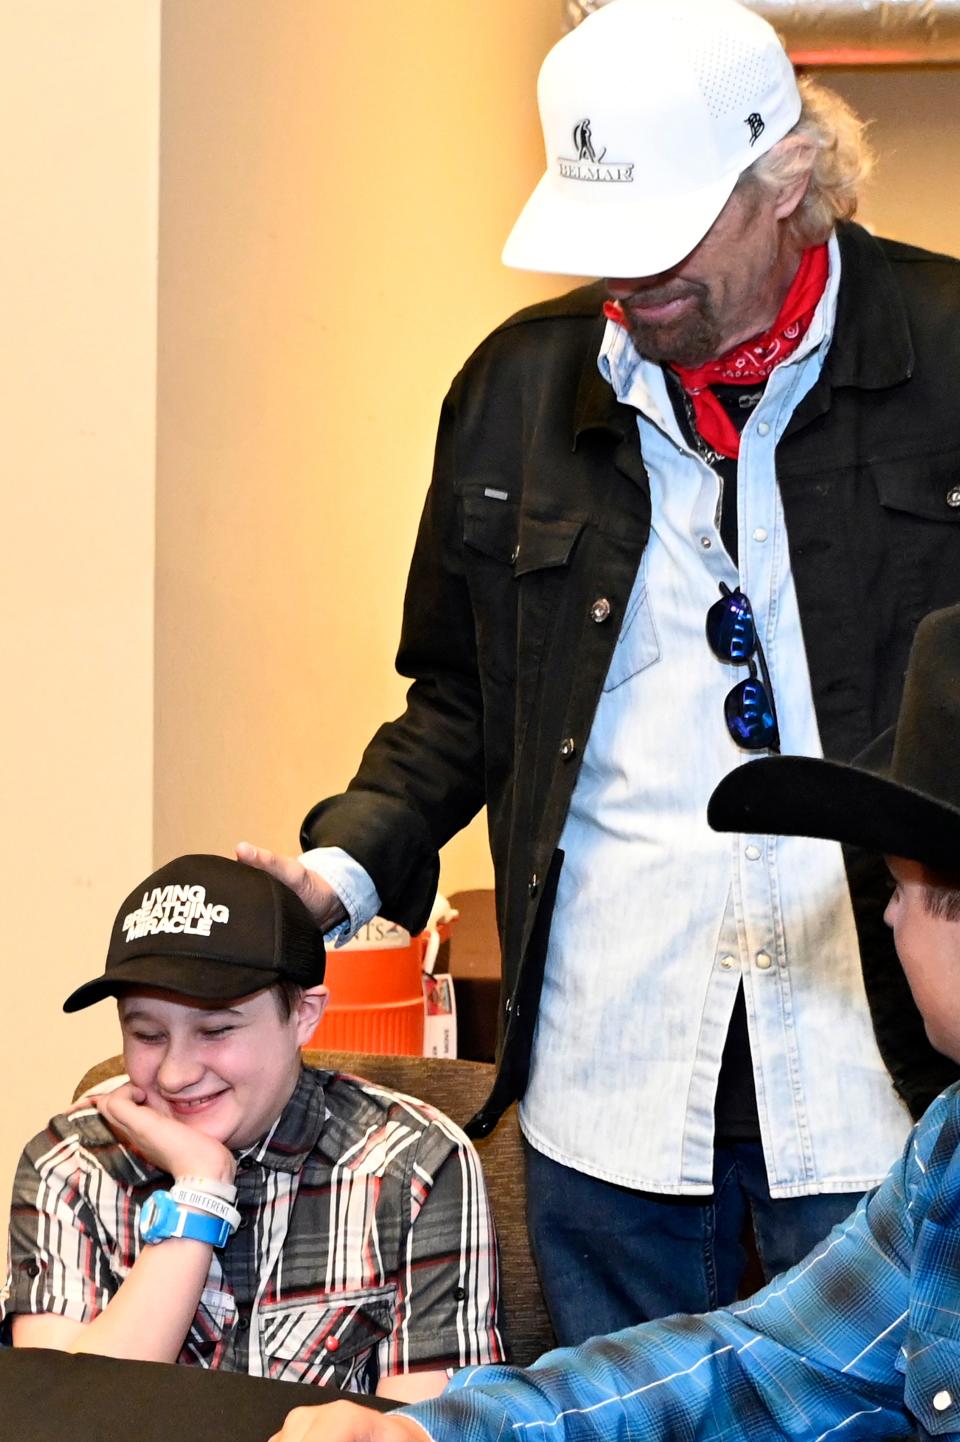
{"x":753,"y":359}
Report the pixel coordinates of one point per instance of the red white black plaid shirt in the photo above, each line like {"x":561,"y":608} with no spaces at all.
{"x":366,"y":1246}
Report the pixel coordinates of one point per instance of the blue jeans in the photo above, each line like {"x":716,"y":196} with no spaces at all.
{"x":609,"y":1256}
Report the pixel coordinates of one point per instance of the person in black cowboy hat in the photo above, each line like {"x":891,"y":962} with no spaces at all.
{"x":861,"y":1338}
{"x":228,"y":1206}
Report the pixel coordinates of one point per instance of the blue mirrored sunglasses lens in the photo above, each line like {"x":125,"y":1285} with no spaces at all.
{"x":730,"y":629}
{"x":749,"y":716}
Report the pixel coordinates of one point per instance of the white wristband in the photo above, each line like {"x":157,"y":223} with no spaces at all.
{"x":226,"y":1190}
{"x":201,"y":1201}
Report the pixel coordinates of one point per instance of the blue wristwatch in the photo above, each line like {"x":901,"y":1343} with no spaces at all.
{"x":161,"y":1217}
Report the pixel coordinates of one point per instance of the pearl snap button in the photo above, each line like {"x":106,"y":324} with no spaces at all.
{"x":514,"y":555}
{"x":942,"y":1401}
{"x":953,"y":496}
{"x":752,"y":853}
{"x":760,"y":534}
{"x":763,"y":429}
{"x":726,"y":962}
{"x":332,"y":1344}
{"x":600,"y":609}
{"x":764,"y":961}
{"x":706,"y":542}
{"x":567,"y":747}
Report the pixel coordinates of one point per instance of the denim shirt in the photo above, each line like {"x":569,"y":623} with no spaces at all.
{"x":657,"y":919}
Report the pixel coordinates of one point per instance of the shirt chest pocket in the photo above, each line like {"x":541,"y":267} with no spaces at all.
{"x":210,"y":1330}
{"x":638,"y":645}
{"x":930,"y":1356}
{"x":327,"y":1337}
{"x":932,"y":1382}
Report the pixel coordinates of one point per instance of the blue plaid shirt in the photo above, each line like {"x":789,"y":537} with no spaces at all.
{"x":860,"y":1340}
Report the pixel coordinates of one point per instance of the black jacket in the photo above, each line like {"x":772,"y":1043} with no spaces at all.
{"x":533,"y":528}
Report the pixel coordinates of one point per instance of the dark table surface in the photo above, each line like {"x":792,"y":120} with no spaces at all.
{"x":50,"y":1396}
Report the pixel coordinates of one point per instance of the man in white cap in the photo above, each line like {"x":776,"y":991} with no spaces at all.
{"x":749,"y":428}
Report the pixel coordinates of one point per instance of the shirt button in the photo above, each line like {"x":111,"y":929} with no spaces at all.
{"x":706,"y":542}
{"x":459,"y":1293}
{"x":32,"y":1269}
{"x":600,"y":609}
{"x":763,"y":429}
{"x":567,"y":747}
{"x":751,"y":852}
{"x":243,"y":1324}
{"x":942,"y":1400}
{"x":243,"y":1223}
{"x":726,"y":962}
{"x":244,"y":1164}
{"x":764,"y":961}
{"x":760,"y":534}
{"x":953,"y":499}
{"x":332,"y":1344}
{"x":533,"y":886}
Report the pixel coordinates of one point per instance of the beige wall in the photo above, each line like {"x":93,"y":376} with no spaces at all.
{"x":337,"y":182}
{"x":79,"y":99}
{"x":913,"y":195}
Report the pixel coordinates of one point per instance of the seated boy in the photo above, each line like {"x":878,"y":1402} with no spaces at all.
{"x":228,"y":1206}
{"x":862,"y":1338}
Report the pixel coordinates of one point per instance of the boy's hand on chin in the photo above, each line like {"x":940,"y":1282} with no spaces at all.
{"x":163,"y":1140}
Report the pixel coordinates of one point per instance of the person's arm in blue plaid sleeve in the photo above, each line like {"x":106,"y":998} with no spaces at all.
{"x":818,"y":1353}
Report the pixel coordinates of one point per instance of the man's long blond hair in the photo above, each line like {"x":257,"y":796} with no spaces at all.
{"x":836,"y":154}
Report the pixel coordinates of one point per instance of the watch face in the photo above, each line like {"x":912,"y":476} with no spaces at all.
{"x":156,"y":1221}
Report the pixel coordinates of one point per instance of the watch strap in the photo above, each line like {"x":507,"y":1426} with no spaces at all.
{"x":161,"y":1217}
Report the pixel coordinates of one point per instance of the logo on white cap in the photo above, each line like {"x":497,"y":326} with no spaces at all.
{"x":587,"y":164}
{"x":174,"y":909}
{"x":755,"y":121}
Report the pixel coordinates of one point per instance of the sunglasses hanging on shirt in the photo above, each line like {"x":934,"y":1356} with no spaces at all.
{"x":749,"y":709}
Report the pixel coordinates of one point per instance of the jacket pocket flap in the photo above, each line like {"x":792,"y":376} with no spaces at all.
{"x":543,"y":543}
{"x":490,"y":525}
{"x":933,"y":495}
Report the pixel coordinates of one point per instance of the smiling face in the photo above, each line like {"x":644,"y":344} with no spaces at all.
{"x":228,"y":1070}
{"x":729,"y":288}
{"x":928,"y":945}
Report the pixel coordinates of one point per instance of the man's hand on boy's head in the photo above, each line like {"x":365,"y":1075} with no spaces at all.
{"x":317,"y":895}
{"x":346,"y":1422}
{"x":168,"y":1143}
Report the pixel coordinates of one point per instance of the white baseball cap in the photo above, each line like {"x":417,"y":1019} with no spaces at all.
{"x":651,"y":109}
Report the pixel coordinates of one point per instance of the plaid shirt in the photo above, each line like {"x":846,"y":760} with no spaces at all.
{"x":860,"y":1340}
{"x":365,"y":1247}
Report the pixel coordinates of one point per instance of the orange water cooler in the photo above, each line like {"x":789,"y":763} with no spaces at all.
{"x":376,"y":992}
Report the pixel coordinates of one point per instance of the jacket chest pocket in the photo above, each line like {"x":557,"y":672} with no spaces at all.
{"x":327,"y":1337}
{"x":517,"y":567}
{"x":920,"y":504}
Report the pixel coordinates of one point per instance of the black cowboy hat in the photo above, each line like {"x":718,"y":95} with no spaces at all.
{"x":901,"y":796}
